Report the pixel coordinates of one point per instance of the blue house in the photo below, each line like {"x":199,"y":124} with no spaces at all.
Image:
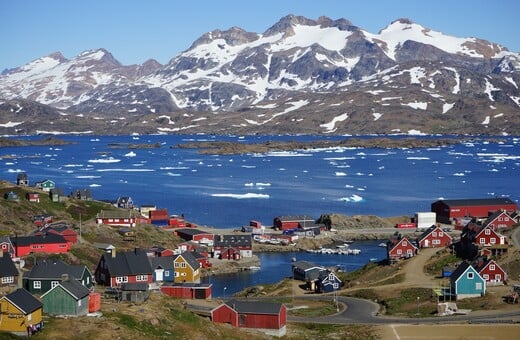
{"x":327,"y":282}
{"x":466,"y":282}
{"x":163,"y":270}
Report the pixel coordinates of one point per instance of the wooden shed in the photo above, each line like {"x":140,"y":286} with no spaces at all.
{"x":188,"y":290}
{"x":68,"y":298}
{"x":268,"y":317}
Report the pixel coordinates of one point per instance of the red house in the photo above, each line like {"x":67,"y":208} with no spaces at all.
{"x":188,"y":290}
{"x":292,"y":222}
{"x":62,"y":230}
{"x":47,"y":243}
{"x":126,"y":267}
{"x":6,"y":246}
{"x":491,"y":272}
{"x":33,"y":197}
{"x":434,"y":237}
{"x":399,"y":248}
{"x":500,"y":219}
{"x":121,"y":218}
{"x":268,"y":317}
{"x":488,"y":237}
{"x":449,"y":209}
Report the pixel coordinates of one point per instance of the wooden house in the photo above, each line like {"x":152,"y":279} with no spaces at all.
{"x":487,"y":237}
{"x":6,"y":246}
{"x":327,"y":282}
{"x":292,"y":222}
{"x":163,"y":270}
{"x":124,"y":202}
{"x":67,"y":298}
{"x":48,"y":243}
{"x":490,"y":271}
{"x":59,"y":229}
{"x":117,"y":268}
{"x":187,"y":290}
{"x":466,"y":282}
{"x":158,"y":251}
{"x":307,"y":271}
{"x":57,"y":195}
{"x":33,"y":197}
{"x":116,"y":218}
{"x":202,"y":259}
{"x":267,"y":317}
{"x":47,"y":274}
{"x":8,"y":271}
{"x":22,"y":179}
{"x":242,"y":243}
{"x":500,"y":219}
{"x":21,"y":313}
{"x":136,"y":292}
{"x":42,"y":220}
{"x":399,"y":248}
{"x":187,"y":268}
{"x":11,"y":196}
{"x":45,"y":185}
{"x":434,"y":237}
{"x":82,"y":194}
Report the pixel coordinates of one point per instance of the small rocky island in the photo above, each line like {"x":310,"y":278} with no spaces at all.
{"x":231,"y":148}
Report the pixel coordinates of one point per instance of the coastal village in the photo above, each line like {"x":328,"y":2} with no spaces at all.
{"x":38,"y":284}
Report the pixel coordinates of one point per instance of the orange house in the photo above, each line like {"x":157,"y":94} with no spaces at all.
{"x":186,"y":268}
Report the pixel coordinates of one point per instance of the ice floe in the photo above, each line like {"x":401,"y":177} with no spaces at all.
{"x":248,"y":195}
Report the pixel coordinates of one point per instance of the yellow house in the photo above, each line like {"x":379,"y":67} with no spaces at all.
{"x":20,"y":313}
{"x":186,"y":268}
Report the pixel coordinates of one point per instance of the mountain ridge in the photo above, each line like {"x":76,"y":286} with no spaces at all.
{"x":301,"y":75}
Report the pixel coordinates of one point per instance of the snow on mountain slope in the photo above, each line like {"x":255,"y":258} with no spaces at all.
{"x":405,"y":68}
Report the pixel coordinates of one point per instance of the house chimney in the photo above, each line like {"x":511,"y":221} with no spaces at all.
{"x":64,"y":277}
{"x":1,"y":253}
{"x":113,"y":252}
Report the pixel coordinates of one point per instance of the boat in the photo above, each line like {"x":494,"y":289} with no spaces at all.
{"x":382,"y":244}
{"x":254,"y":268}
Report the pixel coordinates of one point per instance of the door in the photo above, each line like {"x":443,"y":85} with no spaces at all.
{"x":159,"y":275}
{"x":426,"y":243}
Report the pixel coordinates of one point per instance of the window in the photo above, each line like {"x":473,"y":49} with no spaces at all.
{"x":493,"y":240}
{"x":37,"y":285}
{"x":498,"y":277}
{"x":478,"y":285}
{"x":491,"y":267}
{"x":482,"y":240}
{"x":141,"y":278}
{"x":88,"y":280}
{"x":485,"y":277}
{"x":7,"y":279}
{"x":176,"y":274}
{"x":166,"y":273}
{"x":4,"y":246}
{"x":487,"y":231}
{"x":399,"y":251}
{"x":405,"y":243}
{"x":409,"y":251}
{"x":470,"y":275}
{"x":436,"y":241}
{"x":79,"y":303}
{"x":180,"y":265}
{"x":440,"y":234}
{"x":54,"y":284}
{"x":434,"y":233}
{"x":121,"y":279}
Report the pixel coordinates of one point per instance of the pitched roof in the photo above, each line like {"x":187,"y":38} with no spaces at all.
{"x":54,"y":269}
{"x":165,"y":262}
{"x":128,"y":263}
{"x":7,"y":267}
{"x":24,"y":300}
{"x":74,"y":288}
{"x":191,"y":231}
{"x":38,"y":239}
{"x":189,"y":258}
{"x":460,"y":270}
{"x":305,"y":265}
{"x":255,"y":307}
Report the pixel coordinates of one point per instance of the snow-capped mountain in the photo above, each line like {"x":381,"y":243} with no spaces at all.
{"x":300,"y":75}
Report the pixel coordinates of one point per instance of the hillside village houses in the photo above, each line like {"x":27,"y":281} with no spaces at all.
{"x":176,"y":272}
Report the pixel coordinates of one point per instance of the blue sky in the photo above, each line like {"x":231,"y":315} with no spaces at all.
{"x":134,"y":31}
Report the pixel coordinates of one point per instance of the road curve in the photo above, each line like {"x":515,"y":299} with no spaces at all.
{"x":358,"y":311}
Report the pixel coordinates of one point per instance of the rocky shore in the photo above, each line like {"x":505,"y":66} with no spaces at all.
{"x":229,"y":148}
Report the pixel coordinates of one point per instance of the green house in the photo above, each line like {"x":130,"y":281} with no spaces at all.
{"x":47,"y":274}
{"x":68,"y":298}
{"x":45,"y":185}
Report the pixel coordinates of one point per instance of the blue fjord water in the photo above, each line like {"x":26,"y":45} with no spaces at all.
{"x":226,"y":191}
